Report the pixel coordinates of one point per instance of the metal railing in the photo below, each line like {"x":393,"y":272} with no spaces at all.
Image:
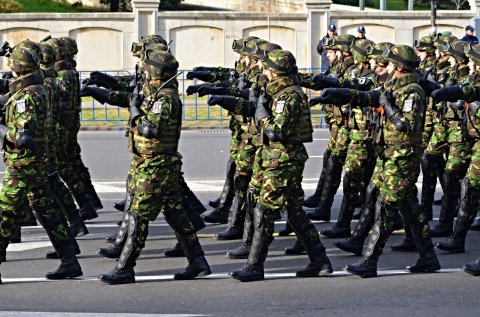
{"x":196,"y":111}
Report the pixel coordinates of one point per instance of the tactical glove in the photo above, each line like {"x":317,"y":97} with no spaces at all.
{"x":262,"y":109}
{"x":452,"y":93}
{"x":192,"y":89}
{"x":394,"y":114}
{"x":205,"y":69}
{"x":226,"y":102}
{"x":473,"y":108}
{"x":337,"y":96}
{"x":366,"y":98}
{"x":321,"y":81}
{"x":457,"y":105}
{"x":429,"y":86}
{"x":99,"y":94}
{"x":200,"y":75}
{"x":209,"y":89}
{"x":136,"y":101}
{"x":101,"y":80}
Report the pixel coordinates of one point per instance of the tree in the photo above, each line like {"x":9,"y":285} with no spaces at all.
{"x":459,"y":3}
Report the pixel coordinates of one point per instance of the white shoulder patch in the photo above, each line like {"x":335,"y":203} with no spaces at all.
{"x":279,"y":107}
{"x":157,"y":107}
{"x":21,"y":106}
{"x":408,"y":105}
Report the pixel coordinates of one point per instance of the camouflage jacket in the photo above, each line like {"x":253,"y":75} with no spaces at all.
{"x":410,"y":100}
{"x":66,"y":81}
{"x":25,"y":112}
{"x":458,"y":75}
{"x":162,"y":109}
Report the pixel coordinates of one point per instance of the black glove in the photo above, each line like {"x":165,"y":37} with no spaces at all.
{"x":263,"y":109}
{"x":452,"y":93}
{"x":336,"y":96}
{"x":394,"y":114}
{"x":193,"y":89}
{"x":136,"y":101}
{"x":321,"y":81}
{"x":200,"y":75}
{"x":209,"y":89}
{"x":473,"y":108}
{"x":458,"y":105}
{"x":205,"y":69}
{"x":367,"y":98}
{"x":99,"y":94}
{"x":101,"y":80}
{"x":429,"y":86}
{"x":226,"y":102}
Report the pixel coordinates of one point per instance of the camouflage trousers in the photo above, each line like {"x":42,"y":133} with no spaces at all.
{"x":74,"y":156}
{"x":339,"y":140}
{"x":359,"y":163}
{"x":29,"y":183}
{"x":473,"y":172}
{"x":459,"y":151}
{"x":437,"y":144}
{"x":395,"y":176}
{"x":427,"y":135}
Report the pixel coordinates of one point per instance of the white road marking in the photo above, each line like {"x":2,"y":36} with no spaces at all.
{"x":25,"y":246}
{"x":168,"y":277}
{"x":69,"y":314}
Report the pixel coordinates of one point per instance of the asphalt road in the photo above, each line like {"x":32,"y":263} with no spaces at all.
{"x":25,"y":292}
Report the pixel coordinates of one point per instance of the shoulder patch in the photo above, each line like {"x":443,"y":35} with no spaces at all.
{"x":279,"y":106}
{"x":21,"y":106}
{"x":408,"y":105}
{"x":157,"y":107}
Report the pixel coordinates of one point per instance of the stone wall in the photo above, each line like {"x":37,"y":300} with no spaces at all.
{"x":205,"y":38}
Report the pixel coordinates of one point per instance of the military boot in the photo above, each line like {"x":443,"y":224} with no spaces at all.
{"x":123,"y":273}
{"x":367,"y":266}
{"x":262,"y":237}
{"x":308,"y":235}
{"x":417,"y":221}
{"x":341,"y":229}
{"x":243,"y":250}
{"x":120,"y":205}
{"x":470,"y":199}
{"x":227,"y":192}
{"x":234,"y":230}
{"x":92,"y":195}
{"x":3,"y":249}
{"x":332,"y":182}
{"x":448,"y":211}
{"x":69,"y":267}
{"x":197,"y":264}
{"x":472,"y":268}
{"x":354,"y":244}
{"x":314,"y":200}
{"x":175,"y":252}
{"x":16,"y":236}
{"x":429,"y":167}
{"x":191,"y":200}
{"x":407,"y":244}
{"x":113,"y":251}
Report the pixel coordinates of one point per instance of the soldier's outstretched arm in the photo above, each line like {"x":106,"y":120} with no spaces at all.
{"x":236,"y":105}
{"x":115,"y":98}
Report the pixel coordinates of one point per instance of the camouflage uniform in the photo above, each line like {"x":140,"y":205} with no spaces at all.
{"x":24,"y":139}
{"x":459,"y":148}
{"x":155,"y":125}
{"x":285,"y":125}
{"x":397,"y":167}
{"x":66,"y":81}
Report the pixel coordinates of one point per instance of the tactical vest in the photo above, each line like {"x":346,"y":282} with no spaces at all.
{"x":169,"y":134}
{"x":29,"y":83}
{"x":66,"y":77}
{"x":303,"y":129}
{"x":53,"y":106}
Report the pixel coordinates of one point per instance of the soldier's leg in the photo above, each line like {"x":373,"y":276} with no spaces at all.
{"x":457,"y":164}
{"x":333,"y":177}
{"x":314,"y":200}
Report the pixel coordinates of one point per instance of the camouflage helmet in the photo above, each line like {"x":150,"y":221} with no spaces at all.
{"x":280,"y":62}
{"x":49,"y":55}
{"x":156,"y":46}
{"x":359,"y":49}
{"x":237,"y":45}
{"x":473,"y":53}
{"x":343,"y":42}
{"x":441,"y":41}
{"x":403,"y":56}
{"x":138,"y":46}
{"x":456,"y":49}
{"x":249,"y":46}
{"x":159,"y":64}
{"x":60,"y":48}
{"x":375,"y":51}
{"x":25,"y":57}
{"x":259,"y":50}
{"x":71,"y":45}
{"x":425,"y":44}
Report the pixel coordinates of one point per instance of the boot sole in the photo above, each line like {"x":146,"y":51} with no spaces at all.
{"x":237,"y":257}
{"x":229,"y":238}
{"x":322,"y":273}
{"x":65,"y":277}
{"x":185,"y":278}
{"x":474,"y":273}
{"x":450,"y":250}
{"x":117,"y":282}
{"x":362,"y":275}
{"x":251,"y":279}
{"x":295,"y":252}
{"x":108,"y":255}
{"x":174,"y":255}
{"x":426,"y":270}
